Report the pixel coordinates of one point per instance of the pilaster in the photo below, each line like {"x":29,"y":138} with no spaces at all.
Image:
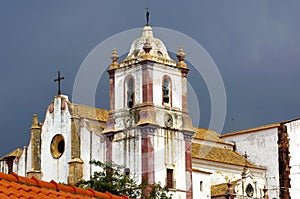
{"x":188,"y":164}
{"x":75,"y":164}
{"x":284,"y":162}
{"x":109,"y":140}
{"x":147,"y":156}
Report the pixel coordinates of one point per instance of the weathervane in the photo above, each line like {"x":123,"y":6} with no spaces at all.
{"x":58,"y":79}
{"x":147,"y":17}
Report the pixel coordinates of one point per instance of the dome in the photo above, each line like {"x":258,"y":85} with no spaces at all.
{"x":158,"y":50}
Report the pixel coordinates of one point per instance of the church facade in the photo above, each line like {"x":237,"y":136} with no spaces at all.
{"x":148,"y":130}
{"x":276,"y":147}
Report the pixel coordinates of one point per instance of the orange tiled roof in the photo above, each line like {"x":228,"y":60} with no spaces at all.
{"x":208,"y":135}
{"x":82,"y":111}
{"x":14,"y":186}
{"x":219,"y":154}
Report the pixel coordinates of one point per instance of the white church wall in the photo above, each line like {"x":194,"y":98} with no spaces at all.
{"x":159,"y":156}
{"x":182,"y":180}
{"x":55,"y":123}
{"x":222,"y":173}
{"x":169,"y":153}
{"x":98,"y":150}
{"x":127,"y":152}
{"x":293,"y":129}
{"x":262,"y":148}
{"x":201,"y":185}
{"x":85,"y":150}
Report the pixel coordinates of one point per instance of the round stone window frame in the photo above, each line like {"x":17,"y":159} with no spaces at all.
{"x":57,"y":146}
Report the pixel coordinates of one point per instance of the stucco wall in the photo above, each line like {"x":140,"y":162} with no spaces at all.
{"x":126,"y":150}
{"x":262,"y":148}
{"x":199,"y":177}
{"x":169,"y":153}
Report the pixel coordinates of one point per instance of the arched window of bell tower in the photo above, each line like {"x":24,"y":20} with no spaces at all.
{"x":166,"y":90}
{"x":129,"y":92}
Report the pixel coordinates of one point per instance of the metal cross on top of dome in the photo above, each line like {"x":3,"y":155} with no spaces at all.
{"x":147,"y":16}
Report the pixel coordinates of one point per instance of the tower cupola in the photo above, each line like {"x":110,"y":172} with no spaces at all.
{"x":140,"y":46}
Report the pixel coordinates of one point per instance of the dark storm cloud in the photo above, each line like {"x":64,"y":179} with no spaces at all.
{"x":255,"y":45}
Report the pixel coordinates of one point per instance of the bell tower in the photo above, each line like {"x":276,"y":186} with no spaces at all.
{"x":149,"y":129}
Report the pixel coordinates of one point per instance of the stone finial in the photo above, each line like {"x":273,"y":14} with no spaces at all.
{"x":147,"y":46}
{"x":114,"y":55}
{"x":114,"y":58}
{"x":35,"y":122}
{"x":180,"y":56}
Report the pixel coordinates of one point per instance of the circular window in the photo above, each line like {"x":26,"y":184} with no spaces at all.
{"x":57,"y":146}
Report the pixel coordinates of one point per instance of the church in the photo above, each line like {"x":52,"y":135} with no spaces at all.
{"x":148,"y":129}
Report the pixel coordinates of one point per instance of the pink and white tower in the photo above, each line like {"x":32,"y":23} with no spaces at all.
{"x":149,"y":129}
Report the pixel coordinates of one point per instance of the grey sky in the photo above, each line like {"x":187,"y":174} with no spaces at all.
{"x":255,"y":45}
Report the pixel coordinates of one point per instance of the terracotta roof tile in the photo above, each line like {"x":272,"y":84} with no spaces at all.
{"x":81,"y":111}
{"x":208,"y":135}
{"x":220,"y":189}
{"x":14,"y":186}
{"x":218,"y":154}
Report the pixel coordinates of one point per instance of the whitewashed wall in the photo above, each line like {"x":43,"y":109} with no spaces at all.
{"x":85,"y":150}
{"x":262,"y":148}
{"x":197,"y":178}
{"x":98,"y":150}
{"x":169,"y":152}
{"x":126,"y":151}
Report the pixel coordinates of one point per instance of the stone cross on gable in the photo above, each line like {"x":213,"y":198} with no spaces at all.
{"x":58,"y":79}
{"x":246,"y":156}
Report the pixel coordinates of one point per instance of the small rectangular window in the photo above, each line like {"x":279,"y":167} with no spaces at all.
{"x":170,"y":180}
{"x":201,"y":185}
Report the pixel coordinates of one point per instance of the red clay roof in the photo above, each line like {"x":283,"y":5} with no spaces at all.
{"x":14,"y":186}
